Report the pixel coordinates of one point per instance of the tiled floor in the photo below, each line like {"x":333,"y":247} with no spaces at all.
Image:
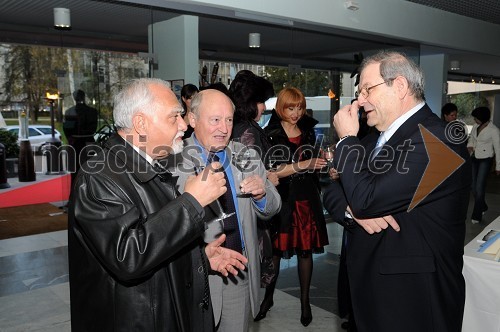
{"x":34,"y":293}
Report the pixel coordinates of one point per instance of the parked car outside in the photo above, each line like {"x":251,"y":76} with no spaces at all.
{"x":38,"y":135}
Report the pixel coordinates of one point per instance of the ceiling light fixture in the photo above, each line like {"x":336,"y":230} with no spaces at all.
{"x":351,"y":5}
{"x":454,"y":65}
{"x":254,"y":40}
{"x":62,"y":19}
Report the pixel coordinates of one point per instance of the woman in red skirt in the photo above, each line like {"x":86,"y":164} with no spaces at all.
{"x":300,"y":226}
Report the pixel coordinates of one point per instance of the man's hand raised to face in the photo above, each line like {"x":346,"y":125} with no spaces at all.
{"x":346,"y":121}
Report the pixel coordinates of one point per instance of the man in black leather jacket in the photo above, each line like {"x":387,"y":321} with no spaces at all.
{"x":137,"y":260}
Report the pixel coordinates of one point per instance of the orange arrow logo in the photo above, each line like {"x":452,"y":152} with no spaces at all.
{"x":443,"y":162}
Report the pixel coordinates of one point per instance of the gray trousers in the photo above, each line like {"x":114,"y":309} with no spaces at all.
{"x":236,"y":309}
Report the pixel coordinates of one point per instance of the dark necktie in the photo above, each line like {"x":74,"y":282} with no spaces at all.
{"x":231,"y":227}
{"x":206,"y":287}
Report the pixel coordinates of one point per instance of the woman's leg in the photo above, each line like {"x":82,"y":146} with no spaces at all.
{"x":475,"y":167}
{"x":481,"y":168}
{"x":268,"y":301}
{"x":305,"y":269}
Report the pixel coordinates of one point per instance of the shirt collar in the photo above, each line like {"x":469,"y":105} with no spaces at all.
{"x":399,"y":121}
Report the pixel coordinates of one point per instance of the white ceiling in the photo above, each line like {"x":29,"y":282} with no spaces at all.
{"x":122,"y":26}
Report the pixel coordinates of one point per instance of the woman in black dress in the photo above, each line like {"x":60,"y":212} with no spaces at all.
{"x":300,"y":226}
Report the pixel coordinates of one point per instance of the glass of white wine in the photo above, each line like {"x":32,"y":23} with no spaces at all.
{"x":242,"y":162}
{"x":328,"y":154}
{"x":221,"y":214}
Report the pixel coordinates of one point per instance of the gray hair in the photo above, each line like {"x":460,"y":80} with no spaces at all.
{"x":135,"y":97}
{"x":394,"y":64}
{"x":196,"y":102}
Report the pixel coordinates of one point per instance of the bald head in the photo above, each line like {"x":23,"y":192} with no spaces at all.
{"x":212,"y":119}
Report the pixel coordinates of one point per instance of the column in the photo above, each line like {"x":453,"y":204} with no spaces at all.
{"x":175,"y":45}
{"x":435,"y":68}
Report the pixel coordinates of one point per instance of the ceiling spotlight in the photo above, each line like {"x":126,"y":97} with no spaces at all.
{"x":62,"y":19}
{"x":351,"y":5}
{"x":254,"y":40}
{"x":454,"y":65}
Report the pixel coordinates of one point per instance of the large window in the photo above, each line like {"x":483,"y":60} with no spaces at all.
{"x":29,"y":71}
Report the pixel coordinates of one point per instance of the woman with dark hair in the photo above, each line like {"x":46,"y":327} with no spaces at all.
{"x":300,"y":226}
{"x":249,"y":94}
{"x":187,"y":93}
{"x":484,"y":142}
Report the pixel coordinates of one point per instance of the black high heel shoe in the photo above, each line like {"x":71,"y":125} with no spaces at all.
{"x":263,"y":312}
{"x":306,"y":319}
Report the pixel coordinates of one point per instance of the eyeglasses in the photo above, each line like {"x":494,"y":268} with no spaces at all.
{"x":365,"y":92}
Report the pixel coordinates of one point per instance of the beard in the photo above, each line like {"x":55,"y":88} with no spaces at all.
{"x":177,"y":146}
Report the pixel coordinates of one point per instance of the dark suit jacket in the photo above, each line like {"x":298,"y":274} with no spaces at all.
{"x":411,"y":280}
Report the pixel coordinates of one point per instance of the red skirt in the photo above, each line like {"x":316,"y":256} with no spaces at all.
{"x":304,"y":235}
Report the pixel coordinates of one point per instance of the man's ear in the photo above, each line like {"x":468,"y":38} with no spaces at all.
{"x":402,"y":87}
{"x":140,"y":123}
{"x":192,"y":119}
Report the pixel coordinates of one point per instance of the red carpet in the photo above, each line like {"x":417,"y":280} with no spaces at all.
{"x":53,"y":190}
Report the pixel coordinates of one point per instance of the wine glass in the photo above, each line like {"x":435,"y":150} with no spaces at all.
{"x":271,"y":165}
{"x":328,"y":154}
{"x":241,"y":160}
{"x":221,"y":214}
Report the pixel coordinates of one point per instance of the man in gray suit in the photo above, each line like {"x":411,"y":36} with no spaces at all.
{"x":211,"y":116}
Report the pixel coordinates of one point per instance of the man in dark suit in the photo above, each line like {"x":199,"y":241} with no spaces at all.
{"x":137,"y":260}
{"x":404,"y":260}
{"x":79,"y":126}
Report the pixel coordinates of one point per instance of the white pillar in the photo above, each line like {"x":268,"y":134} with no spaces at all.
{"x":435,"y":68}
{"x":175,"y":44}
{"x":495,"y":112}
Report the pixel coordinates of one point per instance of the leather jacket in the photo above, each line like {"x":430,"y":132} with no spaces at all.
{"x":135,"y":248}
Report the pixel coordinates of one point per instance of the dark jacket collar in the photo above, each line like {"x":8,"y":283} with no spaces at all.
{"x":410,"y":125}
{"x":306,"y":123}
{"x":125,"y":156}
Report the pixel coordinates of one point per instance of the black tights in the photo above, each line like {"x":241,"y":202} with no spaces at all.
{"x":304,"y":269}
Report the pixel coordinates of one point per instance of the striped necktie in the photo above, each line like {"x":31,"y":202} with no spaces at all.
{"x":380,"y":143}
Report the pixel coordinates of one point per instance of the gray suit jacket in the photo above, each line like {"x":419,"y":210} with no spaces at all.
{"x":248,"y":213}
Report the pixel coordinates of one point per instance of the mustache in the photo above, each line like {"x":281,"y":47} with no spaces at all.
{"x":179,"y":134}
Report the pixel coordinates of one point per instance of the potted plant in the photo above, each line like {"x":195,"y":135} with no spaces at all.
{"x":9,"y":140}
